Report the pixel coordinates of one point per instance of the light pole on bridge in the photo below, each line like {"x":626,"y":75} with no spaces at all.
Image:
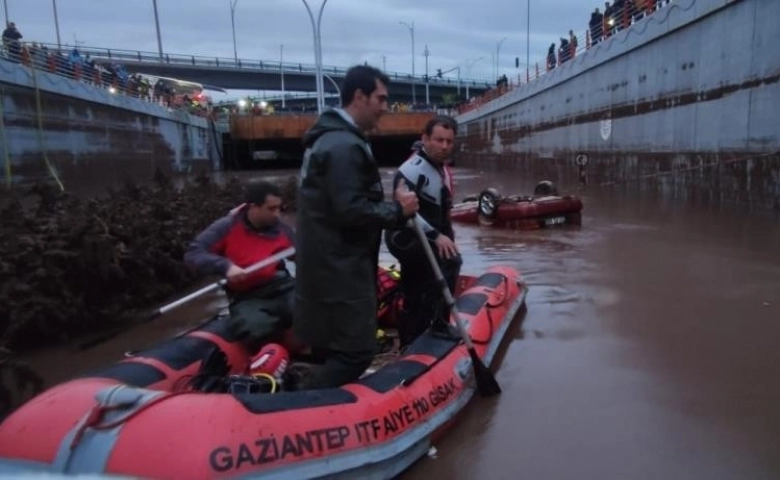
{"x":427,"y":54}
{"x":233,"y":25}
{"x":411,"y":30}
{"x":157,"y":24}
{"x":57,"y":24}
{"x":315,"y":26}
{"x":528,"y":36}
{"x":5,"y":7}
{"x":498,"y":48}
{"x":468,"y":73}
{"x":281,"y":70}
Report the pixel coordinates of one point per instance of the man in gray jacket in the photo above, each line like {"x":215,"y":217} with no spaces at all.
{"x":424,"y":304}
{"x":341,"y":214}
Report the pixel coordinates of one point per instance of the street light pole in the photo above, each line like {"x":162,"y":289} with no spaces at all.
{"x":318,"y":53}
{"x":498,"y":48}
{"x":57,"y":25}
{"x":468,"y":73}
{"x":157,"y":24}
{"x":5,"y":7}
{"x":427,"y":53}
{"x":458,"y":67}
{"x":233,"y":24}
{"x":411,"y":29}
{"x":384,"y":63}
{"x":528,"y":37}
{"x":281,"y":70}
{"x":336,"y":85}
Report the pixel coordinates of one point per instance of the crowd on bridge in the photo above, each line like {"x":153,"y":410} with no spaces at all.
{"x":617,"y":16}
{"x":112,"y":76}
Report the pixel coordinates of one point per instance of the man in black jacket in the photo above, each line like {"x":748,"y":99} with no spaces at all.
{"x":341,"y":214}
{"x":423,"y":300}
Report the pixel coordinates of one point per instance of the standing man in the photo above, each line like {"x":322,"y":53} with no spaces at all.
{"x":260,"y":301}
{"x":341,"y":214}
{"x":11,"y":37}
{"x":424,"y":304}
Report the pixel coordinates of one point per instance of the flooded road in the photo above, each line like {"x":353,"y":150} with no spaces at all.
{"x":648,"y":349}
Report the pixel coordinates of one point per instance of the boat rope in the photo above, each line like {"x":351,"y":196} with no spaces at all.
{"x":41,"y":137}
{"x":491,"y":321}
{"x":4,"y":141}
{"x":95,"y":416}
{"x":687,"y":169}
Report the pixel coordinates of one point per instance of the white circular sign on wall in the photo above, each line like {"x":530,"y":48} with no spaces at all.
{"x":606,"y":128}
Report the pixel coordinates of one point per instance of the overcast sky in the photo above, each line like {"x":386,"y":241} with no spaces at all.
{"x":353,"y":31}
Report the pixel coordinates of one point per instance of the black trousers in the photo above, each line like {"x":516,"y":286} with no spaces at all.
{"x":424,"y":301}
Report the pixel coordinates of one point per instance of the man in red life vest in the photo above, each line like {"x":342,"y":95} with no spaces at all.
{"x":261,"y":301}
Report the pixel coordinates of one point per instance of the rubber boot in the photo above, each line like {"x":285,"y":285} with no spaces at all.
{"x":412,"y":319}
{"x":441,"y":326}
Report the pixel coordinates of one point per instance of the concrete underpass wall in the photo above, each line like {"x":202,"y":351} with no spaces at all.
{"x":89,"y":138}
{"x":686,"y":100}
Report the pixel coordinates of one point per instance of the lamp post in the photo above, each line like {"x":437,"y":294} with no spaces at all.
{"x":427,"y":54}
{"x":468,"y":73}
{"x":5,"y":7}
{"x":384,"y":63}
{"x":56,"y":24}
{"x":498,"y":48}
{"x":157,"y":24}
{"x":233,"y":24}
{"x":458,"y":68}
{"x":281,"y":70}
{"x":528,"y":36}
{"x":315,"y":26}
{"x":336,"y":85}
{"x":411,"y":30}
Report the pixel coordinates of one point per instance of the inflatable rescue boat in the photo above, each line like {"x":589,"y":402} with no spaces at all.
{"x":152,"y":415}
{"x":544,"y":209}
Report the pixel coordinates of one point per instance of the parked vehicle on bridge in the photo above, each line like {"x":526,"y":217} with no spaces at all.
{"x":181,"y":90}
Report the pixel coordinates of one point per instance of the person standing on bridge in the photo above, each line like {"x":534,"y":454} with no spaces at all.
{"x":341,"y":214}
{"x":261,"y":301}
{"x":424,"y":304}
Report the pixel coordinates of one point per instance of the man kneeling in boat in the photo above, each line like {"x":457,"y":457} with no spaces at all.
{"x":260,"y":302}
{"x":424,"y":304}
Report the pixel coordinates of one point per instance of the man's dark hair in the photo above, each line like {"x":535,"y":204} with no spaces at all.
{"x":362,"y":77}
{"x":444,"y":120}
{"x":257,"y":191}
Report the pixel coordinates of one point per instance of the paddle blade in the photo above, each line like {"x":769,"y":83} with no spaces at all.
{"x":487,"y":386}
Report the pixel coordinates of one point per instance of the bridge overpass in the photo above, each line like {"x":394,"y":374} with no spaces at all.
{"x":244,"y":74}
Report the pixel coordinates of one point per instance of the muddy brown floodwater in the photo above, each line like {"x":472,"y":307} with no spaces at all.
{"x":649,"y":347}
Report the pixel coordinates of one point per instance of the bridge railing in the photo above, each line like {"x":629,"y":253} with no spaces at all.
{"x":137,"y":56}
{"x":597,"y":31}
{"x":97,"y":75}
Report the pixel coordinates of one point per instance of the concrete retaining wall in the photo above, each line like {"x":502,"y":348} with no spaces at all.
{"x":688,"y":97}
{"x":87,"y":137}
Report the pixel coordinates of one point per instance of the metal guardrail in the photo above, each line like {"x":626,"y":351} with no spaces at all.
{"x":614,"y":22}
{"x":120,"y":55}
{"x":44,"y":59}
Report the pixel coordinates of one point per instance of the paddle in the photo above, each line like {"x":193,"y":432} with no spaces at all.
{"x":167,"y":308}
{"x":486,"y":383}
